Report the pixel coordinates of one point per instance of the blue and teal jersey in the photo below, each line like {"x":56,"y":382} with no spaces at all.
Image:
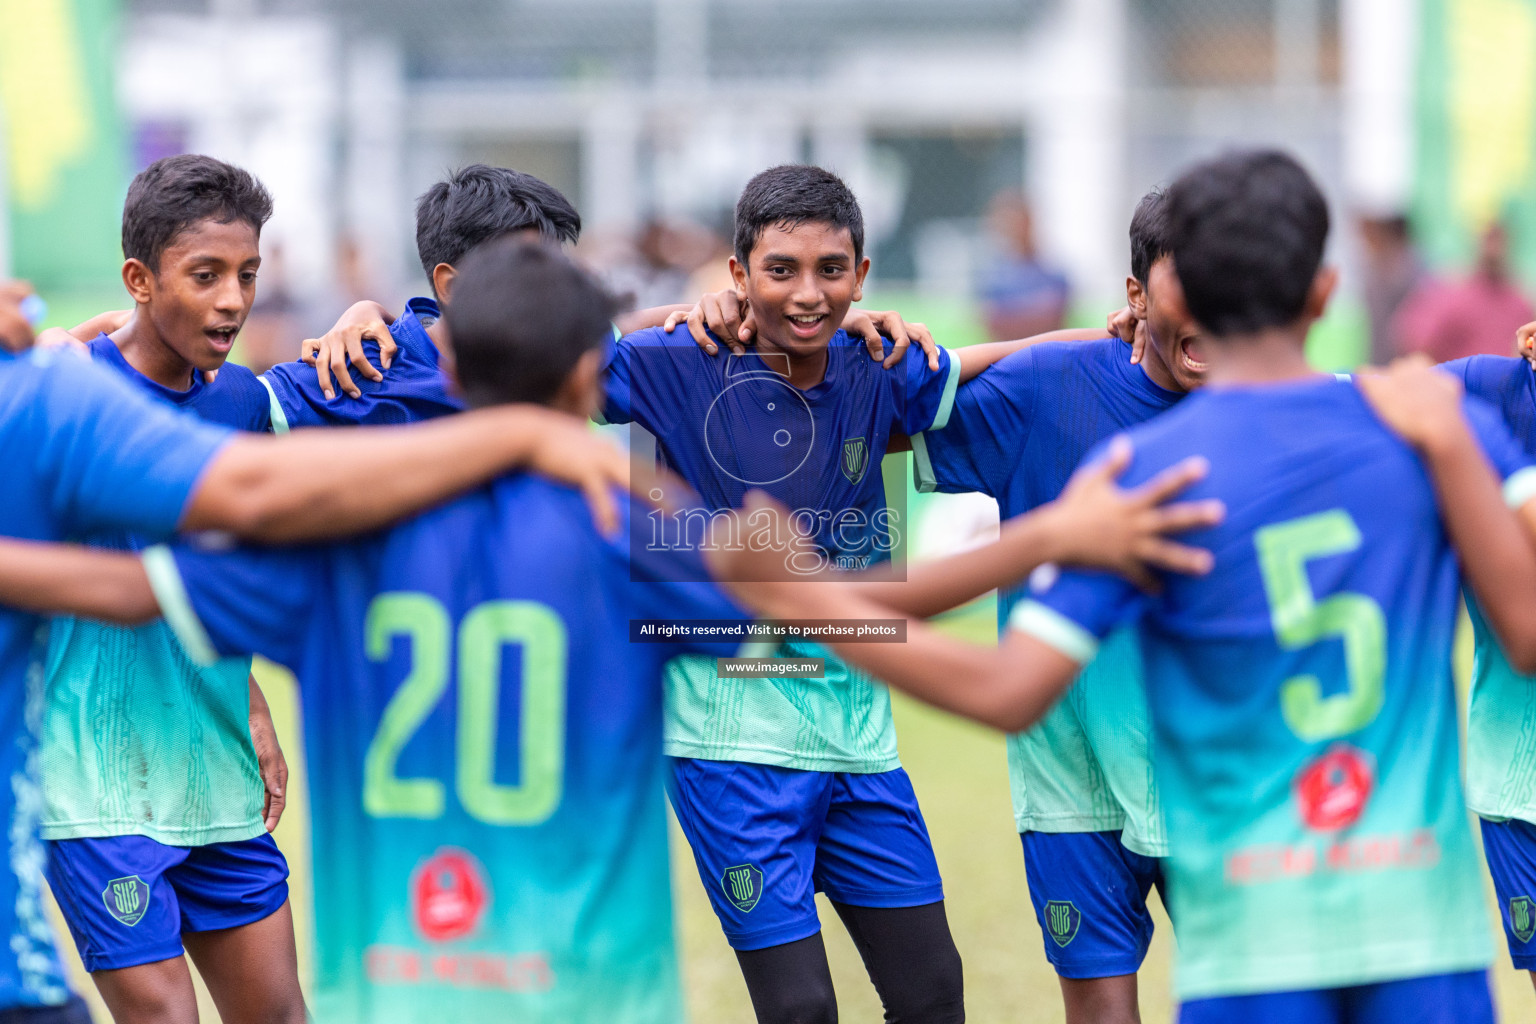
{"x":1018,"y":431}
{"x":84,"y":454}
{"x":136,"y":739}
{"x":1304,"y":717}
{"x":1501,"y":717}
{"x":484,"y":751}
{"x":414,"y":387}
{"x":727,"y":424}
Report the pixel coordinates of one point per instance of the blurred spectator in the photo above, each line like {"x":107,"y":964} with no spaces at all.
{"x":1448,"y":320}
{"x":1393,"y":271}
{"x":655,"y":267}
{"x":273,"y":331}
{"x":1020,"y":296}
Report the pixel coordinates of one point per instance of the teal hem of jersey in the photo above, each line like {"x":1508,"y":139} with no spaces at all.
{"x":275,"y":408}
{"x":779,"y":759}
{"x":761,"y":650}
{"x":1520,"y":487}
{"x":947,"y":400}
{"x":1054,"y":629}
{"x":923,"y":477}
{"x":165,"y":581}
{"x":1218,"y":979}
{"x":186,"y":840}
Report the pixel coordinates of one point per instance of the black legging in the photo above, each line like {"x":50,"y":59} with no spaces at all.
{"x":908,"y":952}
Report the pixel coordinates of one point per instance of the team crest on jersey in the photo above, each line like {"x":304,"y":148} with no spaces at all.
{"x":1061,"y":921}
{"x":743,"y":885}
{"x":127,"y":899}
{"x":855,"y":459}
{"x":1522,"y":918}
{"x":449,"y":895}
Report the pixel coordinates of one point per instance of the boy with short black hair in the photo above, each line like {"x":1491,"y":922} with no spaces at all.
{"x":162,"y":779}
{"x":1085,"y":805}
{"x":1320,"y":862}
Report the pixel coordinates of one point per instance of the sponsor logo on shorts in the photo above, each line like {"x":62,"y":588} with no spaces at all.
{"x":1332,"y":791}
{"x":743,"y":886}
{"x":127,"y":899}
{"x":449,"y":895}
{"x":855,"y":459}
{"x":1522,"y":918}
{"x":1061,"y":921}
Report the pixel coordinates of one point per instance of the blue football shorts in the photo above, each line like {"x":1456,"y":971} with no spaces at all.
{"x":767,"y":839}
{"x":1435,"y":999}
{"x":127,"y":899}
{"x":1090,"y":897}
{"x":1510,"y":847}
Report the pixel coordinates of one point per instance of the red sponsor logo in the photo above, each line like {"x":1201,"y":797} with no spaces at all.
{"x":1332,"y":791}
{"x":449,"y":895}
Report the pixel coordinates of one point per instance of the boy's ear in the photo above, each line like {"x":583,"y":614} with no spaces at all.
{"x":1136,"y":297}
{"x":442,"y":281}
{"x":858,"y":284}
{"x":582,"y":390}
{"x":1323,"y":286}
{"x":138,"y":279}
{"x":739,"y":275}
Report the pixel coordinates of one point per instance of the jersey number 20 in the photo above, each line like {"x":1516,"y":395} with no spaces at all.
{"x":1301,"y":620}
{"x":483,"y":635}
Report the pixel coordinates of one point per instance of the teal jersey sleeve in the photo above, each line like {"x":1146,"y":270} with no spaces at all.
{"x":224,"y":602}
{"x":925,"y":397}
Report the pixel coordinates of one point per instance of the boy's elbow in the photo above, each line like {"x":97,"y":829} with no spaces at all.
{"x":1522,"y":656}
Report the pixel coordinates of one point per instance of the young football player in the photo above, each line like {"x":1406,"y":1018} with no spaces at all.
{"x":1500,"y":758}
{"x":155,"y":809}
{"x":1320,"y":865}
{"x":1084,"y":801}
{"x":470,"y":687}
{"x":92,"y":454}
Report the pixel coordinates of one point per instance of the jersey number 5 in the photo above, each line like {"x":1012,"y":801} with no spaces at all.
{"x":483,"y":636}
{"x":1301,"y":620}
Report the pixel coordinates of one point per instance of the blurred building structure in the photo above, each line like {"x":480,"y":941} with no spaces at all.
{"x":643,"y":109}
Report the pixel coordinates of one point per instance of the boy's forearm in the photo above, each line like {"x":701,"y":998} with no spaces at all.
{"x":1008,"y":688}
{"x":1496,"y":550}
{"x":67,"y":579}
{"x":640,"y":319}
{"x":976,"y":358}
{"x":317,"y":484}
{"x":937,"y":586}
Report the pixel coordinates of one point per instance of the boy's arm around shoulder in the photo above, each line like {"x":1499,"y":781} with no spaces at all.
{"x":69,"y":579}
{"x":1492,"y":524}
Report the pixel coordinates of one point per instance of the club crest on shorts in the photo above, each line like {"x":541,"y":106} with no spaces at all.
{"x":1061,"y":921}
{"x":1522,"y":918}
{"x":855,"y":459}
{"x":126,"y":899}
{"x":743,"y":885}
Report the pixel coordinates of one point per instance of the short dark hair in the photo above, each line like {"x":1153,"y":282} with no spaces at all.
{"x":478,"y":203}
{"x":1247,"y":231}
{"x":1149,"y":234}
{"x":176,"y":192}
{"x":793,"y":194}
{"x":523,"y":314}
